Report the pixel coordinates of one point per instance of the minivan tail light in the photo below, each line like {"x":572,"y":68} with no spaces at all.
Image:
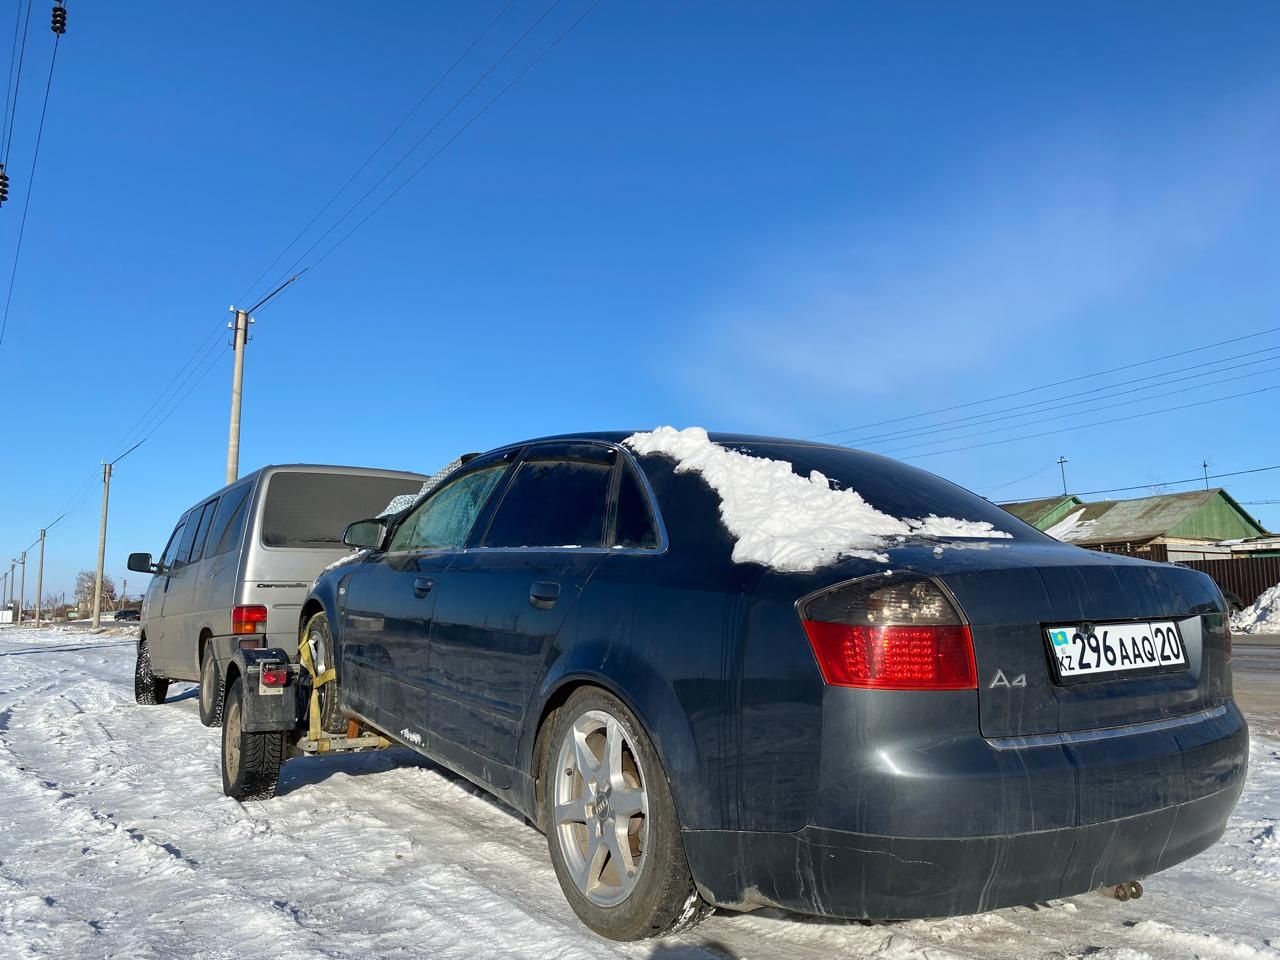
{"x":892,"y":632}
{"x":248,"y":619}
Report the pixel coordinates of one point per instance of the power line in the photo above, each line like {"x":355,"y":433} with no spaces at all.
{"x":16,"y":84}
{"x":1046,"y":386}
{"x":1033,"y":473}
{"x":1169,"y":483}
{"x":13,"y":60}
{"x":461,"y":130}
{"x":1080,"y":413}
{"x":432,"y":129}
{"x":378,"y":149}
{"x":979,"y":419}
{"x":31,"y":185}
{"x":1099,"y":423}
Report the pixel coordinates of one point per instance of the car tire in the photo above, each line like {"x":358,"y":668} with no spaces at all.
{"x":612,"y":828}
{"x":148,"y":689}
{"x":251,"y":762}
{"x":210,"y":688}
{"x":317,"y":629}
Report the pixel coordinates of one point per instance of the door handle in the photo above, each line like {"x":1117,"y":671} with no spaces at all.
{"x":422,"y":586}
{"x":544,"y":594}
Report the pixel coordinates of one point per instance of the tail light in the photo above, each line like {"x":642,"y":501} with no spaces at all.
{"x":247,"y":619}
{"x":894,"y":632}
{"x":275,"y":674}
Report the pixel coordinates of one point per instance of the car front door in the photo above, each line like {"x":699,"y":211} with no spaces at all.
{"x":388,"y":599}
{"x":501,"y":604}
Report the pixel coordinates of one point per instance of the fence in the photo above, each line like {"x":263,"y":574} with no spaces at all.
{"x":1244,"y":576}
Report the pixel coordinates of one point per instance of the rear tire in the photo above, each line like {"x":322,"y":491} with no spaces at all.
{"x":250,"y":761}
{"x":148,"y":689}
{"x":317,"y":630}
{"x":210,"y":688}
{"x":612,"y":828}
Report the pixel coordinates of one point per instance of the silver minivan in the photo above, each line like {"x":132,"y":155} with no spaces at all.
{"x":238,"y":565}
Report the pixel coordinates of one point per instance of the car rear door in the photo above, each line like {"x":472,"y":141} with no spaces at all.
{"x":501,"y":604}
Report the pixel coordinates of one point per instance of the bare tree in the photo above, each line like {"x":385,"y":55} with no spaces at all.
{"x":84,"y":588}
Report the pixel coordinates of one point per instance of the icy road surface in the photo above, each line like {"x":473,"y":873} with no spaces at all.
{"x":115,"y":840}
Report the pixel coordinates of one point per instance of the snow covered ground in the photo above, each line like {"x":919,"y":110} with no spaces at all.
{"x":1261,"y":616}
{"x":115,"y":840}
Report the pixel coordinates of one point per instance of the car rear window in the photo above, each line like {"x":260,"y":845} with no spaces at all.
{"x":891,"y":486}
{"x":312,"y":509}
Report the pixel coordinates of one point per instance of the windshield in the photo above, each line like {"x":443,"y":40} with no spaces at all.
{"x":313,"y":509}
{"x":891,"y":486}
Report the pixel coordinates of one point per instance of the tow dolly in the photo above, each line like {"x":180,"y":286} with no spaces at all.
{"x":271,"y":713}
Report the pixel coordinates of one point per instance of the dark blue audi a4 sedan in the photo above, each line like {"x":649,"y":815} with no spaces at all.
{"x":729,"y":671}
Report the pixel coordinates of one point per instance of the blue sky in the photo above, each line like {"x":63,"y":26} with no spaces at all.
{"x":771,"y":217}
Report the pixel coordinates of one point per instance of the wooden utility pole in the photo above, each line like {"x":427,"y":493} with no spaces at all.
{"x":102,"y":532}
{"x":40,"y":578}
{"x":22,"y":583}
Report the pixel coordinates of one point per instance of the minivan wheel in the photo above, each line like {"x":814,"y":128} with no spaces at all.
{"x":250,"y":761}
{"x":147,"y":687}
{"x":320,"y":637}
{"x":612,"y":828}
{"x":210,"y":689}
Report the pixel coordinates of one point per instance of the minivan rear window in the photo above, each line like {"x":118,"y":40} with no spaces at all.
{"x":313,"y":509}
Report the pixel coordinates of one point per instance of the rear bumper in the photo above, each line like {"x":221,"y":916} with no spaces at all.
{"x":839,"y":874}
{"x":947,"y":825}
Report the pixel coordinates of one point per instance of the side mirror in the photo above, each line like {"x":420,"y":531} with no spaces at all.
{"x":365,"y":534}
{"x":141,"y":563}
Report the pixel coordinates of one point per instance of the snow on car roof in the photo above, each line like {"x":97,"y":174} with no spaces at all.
{"x":789,"y":522}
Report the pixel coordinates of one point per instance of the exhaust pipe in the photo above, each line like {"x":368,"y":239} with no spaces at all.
{"x":1130,"y":890}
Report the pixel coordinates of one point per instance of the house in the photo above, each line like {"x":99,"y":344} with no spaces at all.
{"x":1195,"y":521}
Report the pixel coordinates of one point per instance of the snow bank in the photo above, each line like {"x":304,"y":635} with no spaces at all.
{"x":785,"y":521}
{"x":1261,"y":616}
{"x":1069,"y":527}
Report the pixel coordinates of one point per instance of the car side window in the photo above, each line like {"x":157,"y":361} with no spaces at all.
{"x":553,"y":503}
{"x":171,"y":548}
{"x":228,"y":522}
{"x":634,"y":526}
{"x":444,"y":520}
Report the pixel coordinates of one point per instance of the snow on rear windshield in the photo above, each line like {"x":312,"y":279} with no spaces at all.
{"x":797,"y":523}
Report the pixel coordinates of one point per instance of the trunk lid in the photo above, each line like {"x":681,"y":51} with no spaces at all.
{"x":1011,"y":594}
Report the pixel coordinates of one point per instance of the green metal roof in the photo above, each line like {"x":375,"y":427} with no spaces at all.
{"x":1198,"y":515}
{"x":1045,"y":512}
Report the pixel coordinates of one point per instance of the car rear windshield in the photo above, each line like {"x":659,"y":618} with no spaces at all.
{"x":313,"y":509}
{"x":891,"y":486}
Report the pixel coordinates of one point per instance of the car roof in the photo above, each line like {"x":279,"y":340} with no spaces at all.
{"x":617,"y":436}
{"x":274,"y":468}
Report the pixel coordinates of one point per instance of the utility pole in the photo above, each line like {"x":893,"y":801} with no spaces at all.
{"x":102,"y":532}
{"x":4,"y":587}
{"x":1204,"y":465}
{"x":237,"y":386}
{"x":1062,"y":465}
{"x":124,"y":594}
{"x":22,"y":584}
{"x":40,"y":578}
{"x":240,"y":336}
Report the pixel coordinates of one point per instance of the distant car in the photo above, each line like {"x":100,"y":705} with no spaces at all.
{"x":238,"y":565}
{"x":128,"y":615}
{"x":707,"y":693}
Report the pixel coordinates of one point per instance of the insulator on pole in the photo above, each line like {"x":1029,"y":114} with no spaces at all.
{"x":4,"y":184}
{"x":59,"y":25}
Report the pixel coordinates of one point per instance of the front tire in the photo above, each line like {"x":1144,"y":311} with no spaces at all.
{"x":612,"y":828}
{"x":318,"y":634}
{"x":250,"y":761}
{"x":148,"y":689}
{"x":210,"y":688}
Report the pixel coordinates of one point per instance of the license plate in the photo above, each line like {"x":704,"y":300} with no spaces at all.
{"x":1107,"y":649}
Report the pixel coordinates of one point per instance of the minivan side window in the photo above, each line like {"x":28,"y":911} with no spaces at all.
{"x":171,"y":549}
{"x":227,"y":531}
{"x":444,"y":520}
{"x":188,"y":538}
{"x":202,"y":532}
{"x":634,"y":526}
{"x":553,"y":503}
